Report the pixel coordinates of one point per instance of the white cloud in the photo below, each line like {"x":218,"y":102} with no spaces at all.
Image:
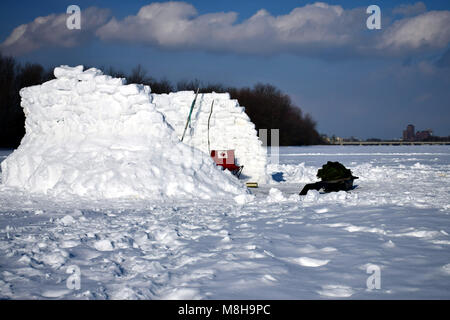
{"x":170,"y":24}
{"x":178,"y":25}
{"x":427,"y":30}
{"x":410,"y":9}
{"x":318,"y":30}
{"x":51,"y":30}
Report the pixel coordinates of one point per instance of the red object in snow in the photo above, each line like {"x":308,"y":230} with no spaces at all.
{"x":225,"y":159}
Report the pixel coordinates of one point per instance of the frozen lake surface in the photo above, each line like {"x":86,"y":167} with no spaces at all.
{"x":277,"y":246}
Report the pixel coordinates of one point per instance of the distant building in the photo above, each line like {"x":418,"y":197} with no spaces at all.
{"x":409,"y":134}
{"x":351,"y":139}
{"x":424,"y":135}
{"x":326,"y":139}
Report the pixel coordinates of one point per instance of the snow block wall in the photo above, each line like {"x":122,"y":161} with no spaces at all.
{"x":89,"y":134}
{"x":230,"y":128}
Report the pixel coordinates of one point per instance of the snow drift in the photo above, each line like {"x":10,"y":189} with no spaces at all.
{"x":91,"y":135}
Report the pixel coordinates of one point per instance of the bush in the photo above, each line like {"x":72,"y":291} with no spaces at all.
{"x":269,"y":108}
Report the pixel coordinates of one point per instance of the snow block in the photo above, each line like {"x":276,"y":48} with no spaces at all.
{"x":230,"y":128}
{"x":90,"y":135}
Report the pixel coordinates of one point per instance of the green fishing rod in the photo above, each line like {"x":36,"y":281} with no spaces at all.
{"x":190,"y":113}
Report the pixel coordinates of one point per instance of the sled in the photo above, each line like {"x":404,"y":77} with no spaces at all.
{"x":226,"y":159}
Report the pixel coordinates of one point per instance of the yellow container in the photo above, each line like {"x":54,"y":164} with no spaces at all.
{"x":252,"y":185}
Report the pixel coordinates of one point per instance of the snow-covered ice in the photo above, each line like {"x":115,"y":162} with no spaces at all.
{"x":272,"y":244}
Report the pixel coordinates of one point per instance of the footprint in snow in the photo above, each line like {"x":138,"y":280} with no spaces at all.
{"x":55,"y":293}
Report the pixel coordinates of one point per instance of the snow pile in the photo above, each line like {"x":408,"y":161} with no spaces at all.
{"x":276,"y":196}
{"x":298,"y":173}
{"x":89,"y":134}
{"x":230,"y":128}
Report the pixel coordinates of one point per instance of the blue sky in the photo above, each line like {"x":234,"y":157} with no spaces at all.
{"x":353,"y":81}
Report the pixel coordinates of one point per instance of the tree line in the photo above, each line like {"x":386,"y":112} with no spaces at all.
{"x":13,"y":77}
{"x":267,"y":106}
